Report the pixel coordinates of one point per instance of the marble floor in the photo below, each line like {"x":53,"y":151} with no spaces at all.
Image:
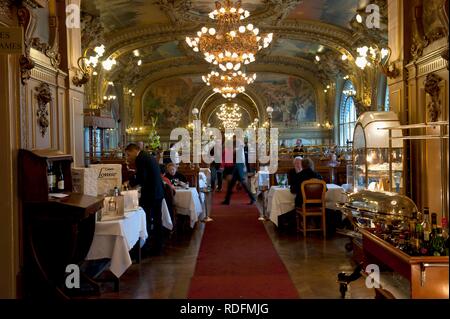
{"x":313,"y":264}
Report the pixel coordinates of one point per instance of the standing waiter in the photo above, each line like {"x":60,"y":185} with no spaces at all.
{"x":152,"y":193}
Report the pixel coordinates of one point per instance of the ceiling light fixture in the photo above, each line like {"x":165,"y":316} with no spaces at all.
{"x":229,"y":45}
{"x":228,"y":84}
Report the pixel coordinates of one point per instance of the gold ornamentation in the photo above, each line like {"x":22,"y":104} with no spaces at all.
{"x":432,"y":88}
{"x":25,"y":61}
{"x":44,"y":96}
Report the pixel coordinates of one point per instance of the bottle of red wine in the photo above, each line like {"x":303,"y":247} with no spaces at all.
{"x":60,"y":179}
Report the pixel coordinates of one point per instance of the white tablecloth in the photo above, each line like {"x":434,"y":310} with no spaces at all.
{"x":166,"y":220}
{"x":281,"y":200}
{"x":187,"y":202}
{"x":115,"y":238}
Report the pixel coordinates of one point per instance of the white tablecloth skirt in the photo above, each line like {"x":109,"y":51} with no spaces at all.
{"x":166,"y":220}
{"x":115,"y":238}
{"x":281,"y":200}
{"x":187,"y":202}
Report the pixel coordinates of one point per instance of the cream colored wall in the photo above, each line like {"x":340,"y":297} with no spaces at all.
{"x":19,"y":129}
{"x":9,"y":132}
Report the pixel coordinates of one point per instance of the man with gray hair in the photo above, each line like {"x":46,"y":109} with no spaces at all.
{"x":293,"y":172}
{"x":307,"y":172}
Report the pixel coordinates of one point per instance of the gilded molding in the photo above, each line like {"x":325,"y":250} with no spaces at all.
{"x":431,"y":85}
{"x":43,"y":96}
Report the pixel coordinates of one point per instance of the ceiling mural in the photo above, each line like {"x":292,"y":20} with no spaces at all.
{"x":124,"y":14}
{"x":292,"y":99}
{"x":337,"y":12}
{"x":288,"y":76}
{"x":296,"y":48}
{"x":165,"y":51}
{"x":168,"y":101}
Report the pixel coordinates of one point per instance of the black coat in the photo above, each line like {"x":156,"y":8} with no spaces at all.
{"x":296,"y":180}
{"x":148,"y":176}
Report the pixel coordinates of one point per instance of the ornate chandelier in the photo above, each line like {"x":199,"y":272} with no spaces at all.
{"x":230,"y":115}
{"x":231,"y":45}
{"x":228,"y":84}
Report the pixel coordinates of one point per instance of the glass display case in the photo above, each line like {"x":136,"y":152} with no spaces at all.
{"x":378,"y":153}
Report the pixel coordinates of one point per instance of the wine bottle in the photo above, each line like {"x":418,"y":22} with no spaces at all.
{"x":51,"y":178}
{"x":426,"y":226}
{"x":433,"y":224}
{"x":60,"y":178}
{"x":445,"y":235}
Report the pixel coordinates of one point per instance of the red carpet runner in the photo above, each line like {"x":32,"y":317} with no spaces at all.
{"x":237,"y":258}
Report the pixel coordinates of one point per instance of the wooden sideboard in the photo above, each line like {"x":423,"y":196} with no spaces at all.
{"x":428,"y":276}
{"x":55,"y":232}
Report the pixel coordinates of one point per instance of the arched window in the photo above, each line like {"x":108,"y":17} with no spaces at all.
{"x":347,"y":114}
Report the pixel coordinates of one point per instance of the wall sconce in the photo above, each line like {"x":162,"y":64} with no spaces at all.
{"x":88,"y":64}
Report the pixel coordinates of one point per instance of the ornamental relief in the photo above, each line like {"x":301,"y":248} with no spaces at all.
{"x":44,"y":97}
{"x":432,"y":88}
{"x":426,"y":28}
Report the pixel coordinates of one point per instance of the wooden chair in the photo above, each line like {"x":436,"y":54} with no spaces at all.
{"x":313,"y":192}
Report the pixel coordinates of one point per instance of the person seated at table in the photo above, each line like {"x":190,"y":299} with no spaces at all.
{"x":165,"y":179}
{"x":305,"y":174}
{"x":174,"y":176}
{"x":294,"y":172}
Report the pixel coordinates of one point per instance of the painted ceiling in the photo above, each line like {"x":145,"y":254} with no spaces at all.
{"x":157,"y":28}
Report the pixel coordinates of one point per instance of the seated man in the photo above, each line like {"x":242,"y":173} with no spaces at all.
{"x":306,"y":173}
{"x":293,"y":174}
{"x":174,"y":176}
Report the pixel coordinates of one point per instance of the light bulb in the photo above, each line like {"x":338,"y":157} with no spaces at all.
{"x":212,"y":31}
{"x":241,"y":29}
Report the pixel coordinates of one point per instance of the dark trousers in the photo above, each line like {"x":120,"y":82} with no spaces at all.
{"x":216,"y":177}
{"x":239,"y":174}
{"x":154,"y":223}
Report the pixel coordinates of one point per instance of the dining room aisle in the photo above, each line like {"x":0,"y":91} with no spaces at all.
{"x":237,"y":258}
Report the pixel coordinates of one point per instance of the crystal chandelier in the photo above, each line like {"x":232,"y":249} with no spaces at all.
{"x":230,"y":115}
{"x":228,"y":84}
{"x":231,"y":45}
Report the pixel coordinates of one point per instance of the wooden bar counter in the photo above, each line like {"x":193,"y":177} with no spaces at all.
{"x":428,"y":275}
